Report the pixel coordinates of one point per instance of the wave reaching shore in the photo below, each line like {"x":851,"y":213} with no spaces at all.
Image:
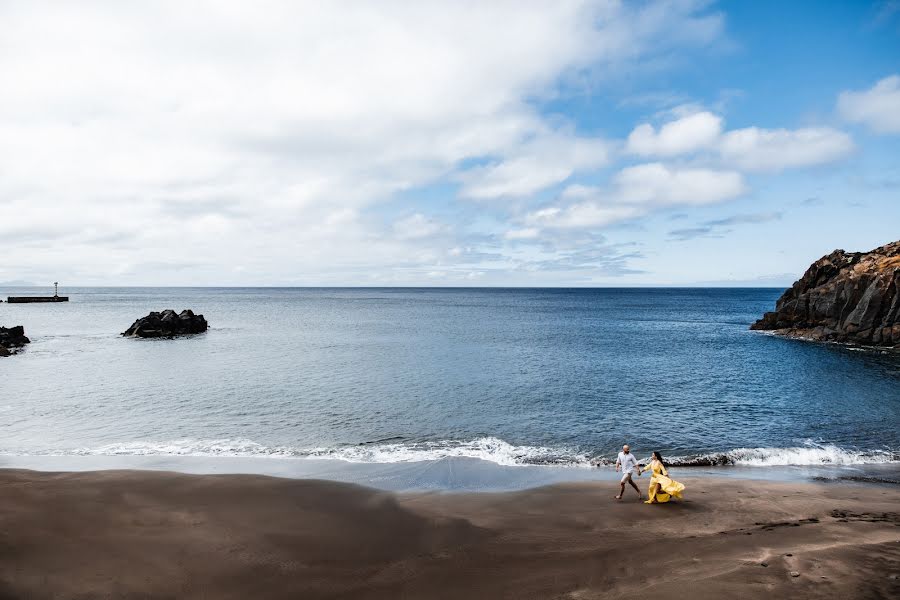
{"x":490,"y":449}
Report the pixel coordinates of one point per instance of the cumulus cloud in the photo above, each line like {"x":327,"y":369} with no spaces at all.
{"x":750,"y":149}
{"x":637,"y":191}
{"x":878,"y":108}
{"x":687,"y":134}
{"x":588,"y":213}
{"x":758,"y":149}
{"x":661,"y":185}
{"x":534,"y":166}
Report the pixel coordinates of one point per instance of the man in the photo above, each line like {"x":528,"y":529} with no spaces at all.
{"x":627,"y":462}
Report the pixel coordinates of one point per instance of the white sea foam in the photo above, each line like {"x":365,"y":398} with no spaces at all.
{"x":486,"y":448}
{"x":490,"y":449}
{"x":809,"y":455}
{"x":189,"y":447}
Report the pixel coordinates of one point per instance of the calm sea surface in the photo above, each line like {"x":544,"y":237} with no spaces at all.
{"x":394,"y":375}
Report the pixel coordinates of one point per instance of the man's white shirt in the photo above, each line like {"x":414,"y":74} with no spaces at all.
{"x":627,"y":461}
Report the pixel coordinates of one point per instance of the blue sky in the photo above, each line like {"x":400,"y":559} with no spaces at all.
{"x":515,"y":143}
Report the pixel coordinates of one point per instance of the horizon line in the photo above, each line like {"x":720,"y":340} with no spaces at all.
{"x":435,"y":287}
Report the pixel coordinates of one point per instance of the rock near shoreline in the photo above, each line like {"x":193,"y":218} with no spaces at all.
{"x":11,"y":339}
{"x":847,"y":297}
{"x":167,"y":323}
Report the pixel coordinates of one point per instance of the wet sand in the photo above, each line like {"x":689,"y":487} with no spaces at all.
{"x":142,"y":534}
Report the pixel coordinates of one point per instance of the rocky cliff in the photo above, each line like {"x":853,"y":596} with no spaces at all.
{"x":850,"y":297}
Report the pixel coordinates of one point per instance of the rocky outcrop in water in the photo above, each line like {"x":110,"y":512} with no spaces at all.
{"x":11,"y":339}
{"x":848,"y":297}
{"x":167,"y":323}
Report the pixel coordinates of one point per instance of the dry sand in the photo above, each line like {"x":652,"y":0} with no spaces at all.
{"x":141,"y":534}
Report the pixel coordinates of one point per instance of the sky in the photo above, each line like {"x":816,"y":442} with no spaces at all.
{"x":453,"y":143}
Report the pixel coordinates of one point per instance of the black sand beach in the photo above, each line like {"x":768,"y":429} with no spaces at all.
{"x":139,"y":534}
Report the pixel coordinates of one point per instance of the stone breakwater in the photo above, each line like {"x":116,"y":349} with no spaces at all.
{"x":167,"y":323}
{"x":11,"y":339}
{"x":847,"y":297}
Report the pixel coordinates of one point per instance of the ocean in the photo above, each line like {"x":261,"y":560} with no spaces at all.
{"x":514,"y":377}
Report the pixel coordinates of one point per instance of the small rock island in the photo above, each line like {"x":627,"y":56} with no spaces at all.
{"x":12,"y":339}
{"x":167,"y":323}
{"x":847,"y":297}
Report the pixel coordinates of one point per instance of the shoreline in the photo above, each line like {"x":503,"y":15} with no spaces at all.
{"x":162,"y":534}
{"x":450,"y":474}
{"x":805,"y":335}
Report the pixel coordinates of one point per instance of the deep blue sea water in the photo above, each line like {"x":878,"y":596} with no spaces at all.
{"x":512,"y":376}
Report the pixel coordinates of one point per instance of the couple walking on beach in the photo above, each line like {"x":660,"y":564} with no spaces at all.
{"x":662,"y":489}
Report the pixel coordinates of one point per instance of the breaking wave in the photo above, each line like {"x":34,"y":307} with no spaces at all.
{"x":811,"y":455}
{"x":489,"y":449}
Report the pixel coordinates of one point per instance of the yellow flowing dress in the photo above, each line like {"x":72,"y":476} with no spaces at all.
{"x":668,"y":488}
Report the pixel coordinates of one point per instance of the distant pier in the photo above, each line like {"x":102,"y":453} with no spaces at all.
{"x":24,"y":299}
{"x":27,"y":299}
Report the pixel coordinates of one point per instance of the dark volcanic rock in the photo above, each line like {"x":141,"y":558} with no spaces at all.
{"x":167,"y":323}
{"x":849,"y":297}
{"x":12,"y":338}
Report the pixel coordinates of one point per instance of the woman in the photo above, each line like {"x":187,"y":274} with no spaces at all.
{"x":662,"y":489}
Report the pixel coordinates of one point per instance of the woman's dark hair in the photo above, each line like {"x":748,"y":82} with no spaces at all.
{"x":660,"y":459}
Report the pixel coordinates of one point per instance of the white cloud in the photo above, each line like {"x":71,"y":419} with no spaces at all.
{"x":687,"y":134}
{"x":637,"y":191}
{"x":657,"y":184}
{"x":583,"y":215}
{"x":878,"y":107}
{"x":534,"y":166}
{"x":758,"y":149}
{"x":255,"y":138}
{"x":416,"y":227}
{"x":752,"y":148}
